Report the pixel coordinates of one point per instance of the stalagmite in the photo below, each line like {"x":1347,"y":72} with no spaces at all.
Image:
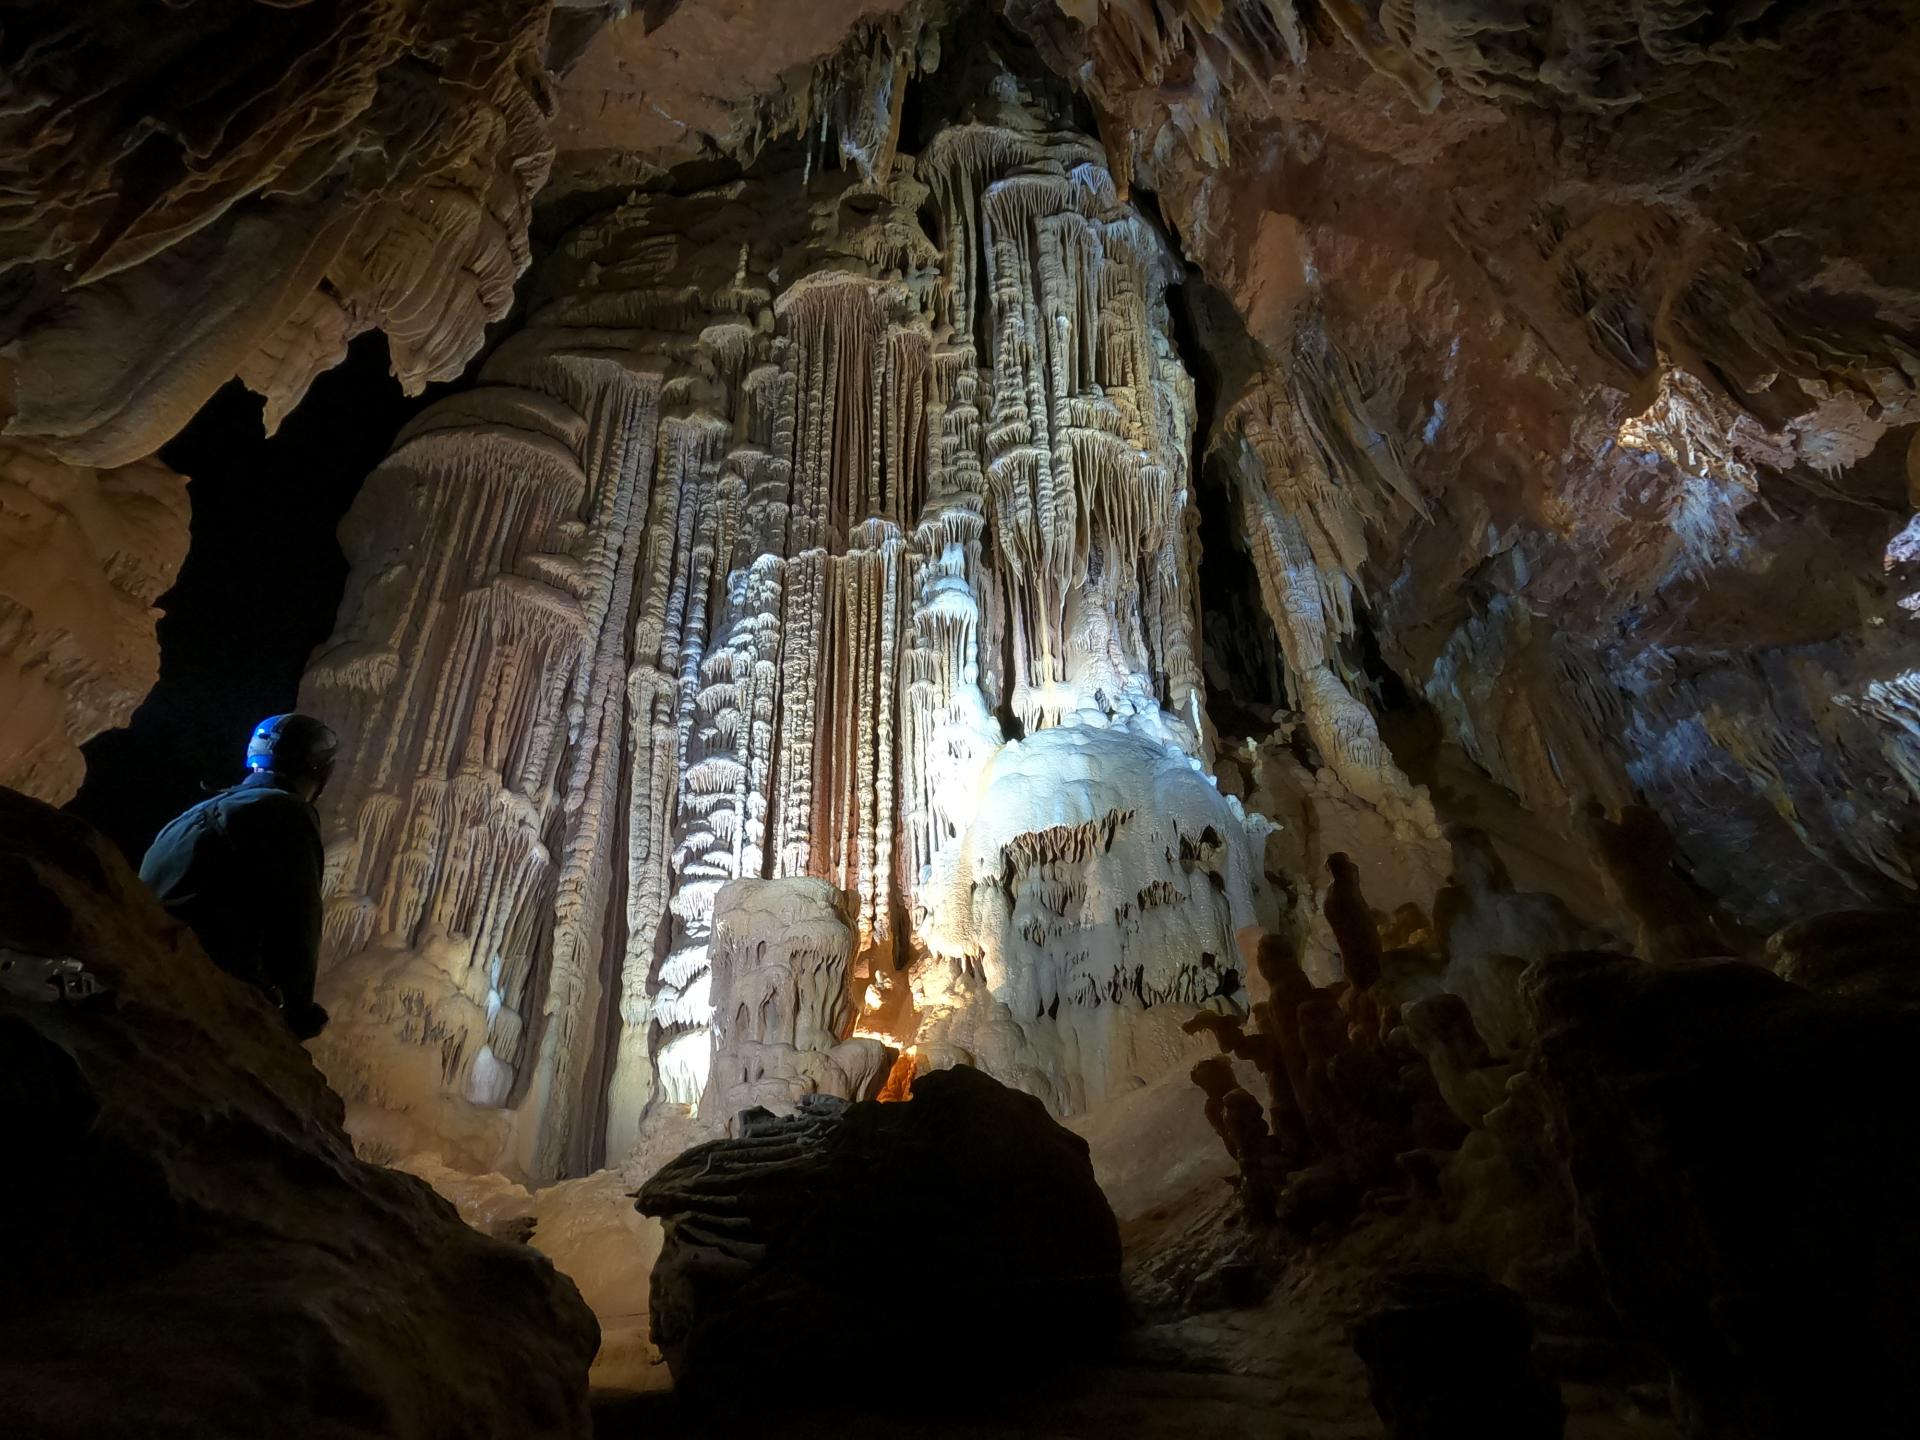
{"x":782,"y":1001}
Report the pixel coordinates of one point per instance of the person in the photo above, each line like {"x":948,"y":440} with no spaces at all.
{"x":243,"y":869}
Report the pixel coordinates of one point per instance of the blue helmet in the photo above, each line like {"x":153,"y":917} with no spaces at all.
{"x":297,"y":746}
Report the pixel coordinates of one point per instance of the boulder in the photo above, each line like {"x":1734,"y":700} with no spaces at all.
{"x":191,"y":1247}
{"x":1745,"y":1171}
{"x":1865,"y":953}
{"x":966,"y":1216}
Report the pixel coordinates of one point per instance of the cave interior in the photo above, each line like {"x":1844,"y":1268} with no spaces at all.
{"x":1169,"y":718}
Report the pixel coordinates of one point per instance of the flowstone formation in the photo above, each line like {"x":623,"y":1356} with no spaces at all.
{"x":237,"y":192}
{"x":782,"y":1006}
{"x":831,"y":525}
{"x":1622,"y":378}
{"x":244,"y":191}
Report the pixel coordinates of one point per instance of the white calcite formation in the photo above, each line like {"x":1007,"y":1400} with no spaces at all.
{"x":1311,"y":474}
{"x":781,"y":1004}
{"x":785,"y":540}
{"x":1092,"y":897}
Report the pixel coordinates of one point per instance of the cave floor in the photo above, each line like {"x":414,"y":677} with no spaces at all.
{"x":1104,"y":1404}
{"x":1134,"y":1403}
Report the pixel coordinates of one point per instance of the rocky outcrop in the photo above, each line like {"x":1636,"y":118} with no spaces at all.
{"x":775,"y":1238}
{"x":191,"y":1247}
{"x":667,"y":83}
{"x":1744,"y":1184}
{"x":84,"y":553}
{"x":1600,"y":319}
{"x":242,"y":190}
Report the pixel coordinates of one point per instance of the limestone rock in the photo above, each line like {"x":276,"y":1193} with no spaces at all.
{"x":84,"y":553}
{"x":1558,"y":450}
{"x":1489,"y":932}
{"x":590,"y":1231}
{"x":246,"y":188}
{"x":782,"y":1005}
{"x":199,"y":1253}
{"x":1744,"y":1183}
{"x":772,"y":1239}
{"x":758,"y":554}
{"x":652,"y":90}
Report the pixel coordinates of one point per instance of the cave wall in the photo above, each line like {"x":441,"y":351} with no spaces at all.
{"x":239,"y":191}
{"x":1628,"y":292}
{"x":83,"y":555}
{"x":824,"y":513}
{"x":945,"y":555}
{"x":1572,"y":410}
{"x":244,"y":192}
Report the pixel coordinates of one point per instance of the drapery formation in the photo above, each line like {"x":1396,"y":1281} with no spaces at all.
{"x":779,"y":520}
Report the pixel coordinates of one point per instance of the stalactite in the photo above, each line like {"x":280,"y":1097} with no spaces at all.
{"x":1312,"y":475}
{"x":721,"y":579}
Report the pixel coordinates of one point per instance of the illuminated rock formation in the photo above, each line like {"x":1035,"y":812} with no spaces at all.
{"x":1621,"y":415}
{"x":781,"y":1001}
{"x":1089,"y":906}
{"x":83,"y":555}
{"x":244,"y":190}
{"x":1313,"y":474}
{"x":991,"y":543}
{"x":662,"y":89}
{"x":737,"y":564}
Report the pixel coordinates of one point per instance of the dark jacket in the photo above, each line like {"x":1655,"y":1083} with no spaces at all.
{"x":243,"y":872}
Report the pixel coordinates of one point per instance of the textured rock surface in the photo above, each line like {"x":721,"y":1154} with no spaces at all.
{"x":783,"y":1006}
{"x":1059,"y":519}
{"x":590,"y":1231}
{"x":1602,"y":320}
{"x":243,"y":189}
{"x":755,"y":554}
{"x":721,"y":77}
{"x":199,"y":1253}
{"x":769,"y":1239}
{"x":83,"y":555}
{"x":1744,"y":1184}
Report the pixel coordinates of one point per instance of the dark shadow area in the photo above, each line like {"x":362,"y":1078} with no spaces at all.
{"x":1135,"y":1400}
{"x":258,"y":592}
{"x":1240,"y":652}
